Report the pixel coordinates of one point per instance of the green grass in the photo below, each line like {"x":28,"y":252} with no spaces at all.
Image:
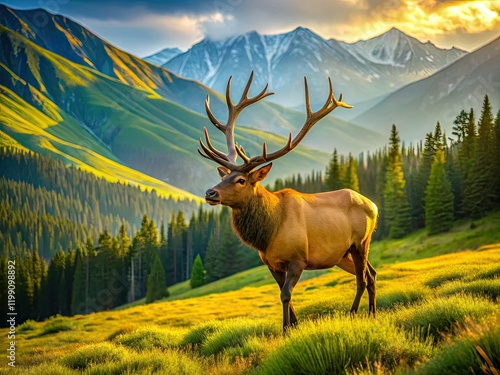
{"x":419,"y":244}
{"x":94,"y":354}
{"x":434,"y":314}
{"x":57,"y":324}
{"x":150,"y":337}
{"x":481,"y":288}
{"x":475,"y":351}
{"x":334,"y":346}
{"x":234,"y":333}
{"x":442,"y":315}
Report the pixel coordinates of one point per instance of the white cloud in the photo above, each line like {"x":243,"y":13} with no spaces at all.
{"x":465,"y":24}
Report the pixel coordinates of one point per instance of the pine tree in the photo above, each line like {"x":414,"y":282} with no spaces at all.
{"x":469,"y":166}
{"x":350,"y":180}
{"x":215,"y":261}
{"x":198,"y":273}
{"x":395,"y":198}
{"x":56,"y":283}
{"x":496,"y":157}
{"x":438,"y":197}
{"x":79,"y":292}
{"x":485,"y":153}
{"x":124,"y":241}
{"x":460,"y":126}
{"x":333,"y":180}
{"x":157,"y":284}
{"x":163,"y":249}
{"x":416,"y":199}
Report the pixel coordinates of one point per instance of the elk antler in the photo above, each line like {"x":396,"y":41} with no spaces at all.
{"x":228,"y":160}
{"x":233,"y":112}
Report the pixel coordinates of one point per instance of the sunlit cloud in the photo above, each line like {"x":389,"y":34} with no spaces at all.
{"x":143,"y":26}
{"x":427,"y":19}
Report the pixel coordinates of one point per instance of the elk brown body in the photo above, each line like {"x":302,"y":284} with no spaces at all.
{"x":293,"y":231}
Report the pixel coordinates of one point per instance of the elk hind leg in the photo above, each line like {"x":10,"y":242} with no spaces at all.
{"x":360,"y":264}
{"x":372,"y":293}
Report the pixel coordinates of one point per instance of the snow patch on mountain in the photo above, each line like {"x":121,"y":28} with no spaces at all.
{"x":163,"y":56}
{"x":361,"y":70}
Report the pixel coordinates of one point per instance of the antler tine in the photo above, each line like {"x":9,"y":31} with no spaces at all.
{"x":340,"y":103}
{"x":209,"y":154}
{"x":265,"y":157}
{"x":211,"y":116}
{"x":311,"y":119}
{"x":233,"y":112}
{"x":244,"y":95}
{"x":229,"y":102}
{"x":308,"y":100}
{"x":245,"y":100}
{"x":211,"y":147}
{"x":242,"y":154}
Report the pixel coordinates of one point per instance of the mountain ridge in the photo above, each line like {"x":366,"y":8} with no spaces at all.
{"x":163,"y":84}
{"x":149,"y":133}
{"x":281,"y":59}
{"x":417,"y":107}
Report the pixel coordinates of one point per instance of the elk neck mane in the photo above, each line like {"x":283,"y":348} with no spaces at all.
{"x":256,"y":221}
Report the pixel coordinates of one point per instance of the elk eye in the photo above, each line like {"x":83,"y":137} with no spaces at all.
{"x":241,"y":181}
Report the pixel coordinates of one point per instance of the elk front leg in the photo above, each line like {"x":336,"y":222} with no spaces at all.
{"x":291,"y":279}
{"x":280,"y":278}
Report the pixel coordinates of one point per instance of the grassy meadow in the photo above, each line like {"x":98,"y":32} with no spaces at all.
{"x":437,"y":315}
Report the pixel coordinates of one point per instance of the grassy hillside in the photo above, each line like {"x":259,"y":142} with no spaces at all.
{"x":433,"y":315}
{"x":88,"y":117}
{"x":28,"y":128}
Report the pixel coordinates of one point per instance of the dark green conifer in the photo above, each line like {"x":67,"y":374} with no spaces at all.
{"x":438,"y":197}
{"x":198,"y":273}
{"x":395,"y":199}
{"x":157,"y":284}
{"x":333,"y":179}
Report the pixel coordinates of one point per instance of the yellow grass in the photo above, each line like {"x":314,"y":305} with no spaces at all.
{"x":403,"y":287}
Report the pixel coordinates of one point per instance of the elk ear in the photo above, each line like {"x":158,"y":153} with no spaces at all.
{"x":223,"y":171}
{"x":260,"y":174}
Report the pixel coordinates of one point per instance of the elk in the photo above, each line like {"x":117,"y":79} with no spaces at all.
{"x":291,"y":231}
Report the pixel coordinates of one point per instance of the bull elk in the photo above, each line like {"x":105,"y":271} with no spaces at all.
{"x":291,"y":231}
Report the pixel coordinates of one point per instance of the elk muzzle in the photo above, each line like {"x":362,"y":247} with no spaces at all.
{"x":212,"y":197}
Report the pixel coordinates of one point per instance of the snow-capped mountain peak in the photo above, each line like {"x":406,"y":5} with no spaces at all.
{"x":361,"y":70}
{"x":163,"y":56}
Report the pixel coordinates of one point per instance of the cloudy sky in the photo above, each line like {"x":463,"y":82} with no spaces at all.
{"x":144,"y":27}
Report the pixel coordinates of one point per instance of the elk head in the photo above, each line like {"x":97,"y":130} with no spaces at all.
{"x":240,"y":181}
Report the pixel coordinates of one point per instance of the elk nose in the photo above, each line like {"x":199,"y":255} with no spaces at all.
{"x":211,"y":194}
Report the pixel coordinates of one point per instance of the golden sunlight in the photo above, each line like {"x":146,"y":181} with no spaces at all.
{"x":428,"y":18}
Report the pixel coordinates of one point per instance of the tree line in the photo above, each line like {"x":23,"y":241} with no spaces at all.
{"x":49,"y":207}
{"x":425,"y":185}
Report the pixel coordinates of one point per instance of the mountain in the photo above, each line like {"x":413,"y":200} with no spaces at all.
{"x":362,"y":70}
{"x":163,"y":56}
{"x":74,"y":42}
{"x":71,"y":40}
{"x":416,"y":107}
{"x":54,"y":106}
{"x":396,"y":49}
